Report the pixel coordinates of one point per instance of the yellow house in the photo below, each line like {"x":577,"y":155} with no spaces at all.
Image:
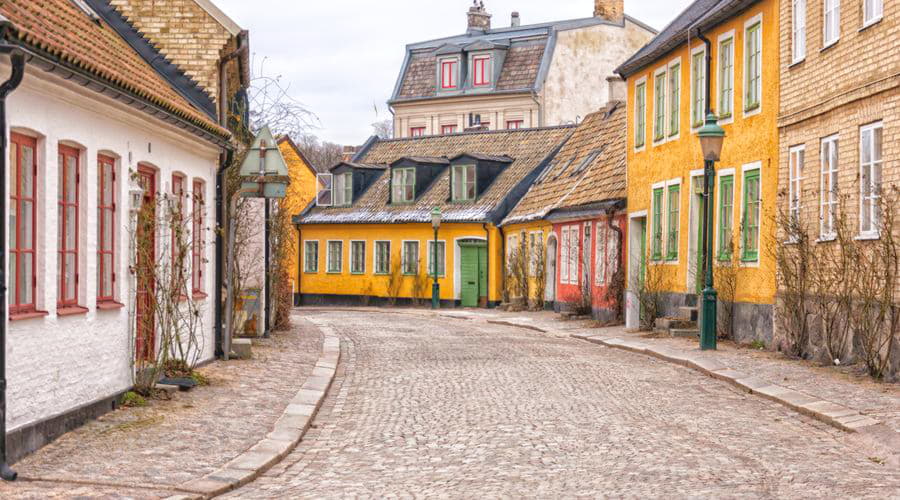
{"x":300,"y":193}
{"x":667,"y":94}
{"x":369,"y":236}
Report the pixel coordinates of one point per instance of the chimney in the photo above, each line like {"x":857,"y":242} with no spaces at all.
{"x":617,"y":89}
{"x":348,"y":153}
{"x":611,"y":10}
{"x":516,"y":21}
{"x":479,"y":19}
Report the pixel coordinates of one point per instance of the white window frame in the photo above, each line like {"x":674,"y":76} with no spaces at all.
{"x":340,"y":266}
{"x":443,"y":258}
{"x":725,"y":37}
{"x":533,"y":238}
{"x":306,"y":260}
{"x":697,"y":85}
{"x":677,"y":107}
{"x":363,"y":257}
{"x":725,"y":172}
{"x":564,"y":255}
{"x":464,"y":168}
{"x":637,"y":84}
{"x":662,"y":223}
{"x":877,"y":12}
{"x":665,"y":98}
{"x":339,"y":192}
{"x":324,"y":187}
{"x":394,"y":174}
{"x":665,"y":244}
{"x":828,"y":178}
{"x":759,"y":87}
{"x":796,"y":164}
{"x":512,"y":244}
{"x":488,"y":69}
{"x":836,"y":22}
{"x":574,"y":251}
{"x":873,"y":194}
{"x":600,"y":252}
{"x":403,"y":257}
{"x":375,"y":257}
{"x":454,"y":77}
{"x":757,"y":165}
{"x":798,"y":31}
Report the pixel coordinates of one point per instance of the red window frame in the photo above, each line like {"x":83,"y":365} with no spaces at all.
{"x":416,"y":131}
{"x":449,"y":74}
{"x":481,"y":71}
{"x":178,"y":182}
{"x":197,"y":241}
{"x":448,"y":129}
{"x":106,"y":237}
{"x":68,"y":202}
{"x":514,"y":124}
{"x":18,"y":200}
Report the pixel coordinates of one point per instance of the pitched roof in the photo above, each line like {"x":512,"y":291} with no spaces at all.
{"x":62,"y":33}
{"x":588,"y":170}
{"x":530,"y":148}
{"x":700,"y":15}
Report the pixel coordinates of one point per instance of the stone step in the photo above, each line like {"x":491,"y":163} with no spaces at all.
{"x":688,"y":313}
{"x":677,"y":323}
{"x":685,"y":333}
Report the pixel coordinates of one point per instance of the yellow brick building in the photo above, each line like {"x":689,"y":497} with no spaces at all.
{"x":667,"y":101}
{"x":300,"y":193}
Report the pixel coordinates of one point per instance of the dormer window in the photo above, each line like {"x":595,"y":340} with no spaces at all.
{"x":449,"y":74}
{"x":463,"y":183}
{"x":404,"y":185}
{"x":481,"y":70}
{"x":343,"y":189}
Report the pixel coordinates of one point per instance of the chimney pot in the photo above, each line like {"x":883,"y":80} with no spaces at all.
{"x":611,"y":10}
{"x":479,"y":19}
{"x":516,"y":20}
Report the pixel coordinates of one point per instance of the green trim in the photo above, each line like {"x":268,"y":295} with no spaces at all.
{"x":464,"y":168}
{"x":394,"y":185}
{"x":672,"y":233}
{"x":751,"y":102}
{"x":659,"y":106}
{"x":641,"y":119}
{"x":656,"y":225}
{"x":674,"y":100}
{"x":726,"y":77}
{"x":750,"y":229}
{"x":726,"y":232}
{"x":752,"y":106}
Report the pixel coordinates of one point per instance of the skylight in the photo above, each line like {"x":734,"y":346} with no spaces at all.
{"x":88,"y":11}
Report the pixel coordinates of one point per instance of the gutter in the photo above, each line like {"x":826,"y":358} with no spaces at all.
{"x":17,"y":59}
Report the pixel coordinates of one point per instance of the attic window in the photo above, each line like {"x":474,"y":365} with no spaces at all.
{"x":481,"y":70}
{"x":343,"y":190}
{"x":449,"y":74}
{"x":88,"y":11}
{"x":404,"y":185}
{"x":587,"y":161}
{"x":464,"y":186}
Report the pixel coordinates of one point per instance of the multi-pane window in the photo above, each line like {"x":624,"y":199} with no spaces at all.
{"x":106,"y":227}
{"x":564,"y":255}
{"x":831,"y":22}
{"x":574,"y":250}
{"x":535,"y":251}
{"x":324,"y":184}
{"x":404,"y":185}
{"x":343,"y":189}
{"x":416,"y":131}
{"x":481,"y":70}
{"x":69,"y":164}
{"x":673,"y":222}
{"x":751,"y":199}
{"x":640,"y":121}
{"x":656,"y":229}
{"x":177,"y":228}
{"x":311,"y":256}
{"x":448,"y":129}
{"x":449,"y":73}
{"x":441,"y":257}
{"x":872,"y":11}
{"x":828,"y":188}
{"x":726,"y":216}
{"x":795,"y":181}
{"x":612,"y":253}
{"x":753,"y":66}
{"x":674,"y":99}
{"x":514,"y":124}
{"x":798,"y":30}
{"x":464,"y":183}
{"x":726,"y":78}
{"x":659,"y":107}
{"x":23,"y":174}
{"x":600,"y":255}
{"x":335,"y":257}
{"x":382,"y":257}
{"x":698,"y":88}
{"x":198,"y":241}
{"x":357,"y":257}
{"x":870,"y":149}
{"x":410,"y":258}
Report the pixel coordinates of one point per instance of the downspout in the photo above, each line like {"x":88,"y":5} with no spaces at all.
{"x":487,"y":238}
{"x":706,"y":41}
{"x":503,"y":256}
{"x":299,"y":298}
{"x":17,"y":59}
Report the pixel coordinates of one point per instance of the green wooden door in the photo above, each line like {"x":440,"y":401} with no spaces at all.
{"x":482,"y":276}
{"x":469,"y":275}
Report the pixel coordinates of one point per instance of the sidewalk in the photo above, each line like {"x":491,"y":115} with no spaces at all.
{"x":149,"y":451}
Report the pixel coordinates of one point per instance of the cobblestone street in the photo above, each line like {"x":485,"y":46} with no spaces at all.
{"x":429,"y":405}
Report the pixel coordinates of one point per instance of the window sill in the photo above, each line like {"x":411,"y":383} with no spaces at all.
{"x":826,"y":239}
{"x":829,"y":45}
{"x":109,"y":305}
{"x":71,"y":310}
{"x":27,"y":315}
{"x":310,"y":272}
{"x":362,"y":273}
{"x":798,"y":62}
{"x":334,"y":272}
{"x":871,"y":23}
{"x":868,"y":237}
{"x":753,"y":107}
{"x":199,"y":296}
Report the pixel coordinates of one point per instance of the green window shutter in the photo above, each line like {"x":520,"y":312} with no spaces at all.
{"x":726,"y":216}
{"x":673,"y":215}
{"x":656,"y":243}
{"x":750,"y":229}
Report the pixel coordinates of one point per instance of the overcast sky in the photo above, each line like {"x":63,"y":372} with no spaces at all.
{"x":341,"y":58}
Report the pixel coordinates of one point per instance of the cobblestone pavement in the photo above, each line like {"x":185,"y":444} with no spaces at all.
{"x":145,"y":452}
{"x":426,"y":405}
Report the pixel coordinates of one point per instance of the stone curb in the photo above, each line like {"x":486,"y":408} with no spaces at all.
{"x":289,"y":429}
{"x":833,"y":414}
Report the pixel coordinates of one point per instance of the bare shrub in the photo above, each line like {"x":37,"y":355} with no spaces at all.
{"x":419,"y":287}
{"x":650,"y":294}
{"x":517,"y":272}
{"x":538,"y":274}
{"x":794,"y":299}
{"x":726,"y":279}
{"x":283,"y":248}
{"x":395,"y":282}
{"x":615,"y":290}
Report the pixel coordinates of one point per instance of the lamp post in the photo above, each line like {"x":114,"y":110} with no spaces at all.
{"x":435,"y":287}
{"x":711,"y":138}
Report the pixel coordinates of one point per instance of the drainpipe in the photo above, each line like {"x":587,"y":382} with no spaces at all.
{"x":226,"y":159}
{"x":17,"y":59}
{"x":299,"y":266}
{"x":503,"y":256}
{"x":706,"y":41}
{"x":487,"y":238}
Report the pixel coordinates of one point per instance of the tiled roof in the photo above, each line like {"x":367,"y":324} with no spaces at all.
{"x":420,"y":77}
{"x":60,"y":30}
{"x":520,"y":69}
{"x":571,"y":182}
{"x":529,"y":147}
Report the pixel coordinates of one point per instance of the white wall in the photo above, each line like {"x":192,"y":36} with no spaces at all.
{"x":57,"y":363}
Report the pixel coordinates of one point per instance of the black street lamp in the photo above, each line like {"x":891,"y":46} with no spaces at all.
{"x":711,"y":138}
{"x":435,"y":287}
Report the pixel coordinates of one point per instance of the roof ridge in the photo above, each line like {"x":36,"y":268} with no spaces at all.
{"x":481,"y":132}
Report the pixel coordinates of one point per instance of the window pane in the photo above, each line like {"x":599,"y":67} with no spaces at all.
{"x":13,"y":283}
{"x":26,"y":188}
{"x":70,"y":228}
{"x":107,"y":275}
{"x":26,"y":272}
{"x":26,"y":225}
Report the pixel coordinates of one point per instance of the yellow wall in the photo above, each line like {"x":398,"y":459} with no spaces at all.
{"x":370,"y":284}
{"x":300,"y":192}
{"x":749,"y":139}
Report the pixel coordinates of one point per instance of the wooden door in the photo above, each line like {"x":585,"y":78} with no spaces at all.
{"x":469,"y":276}
{"x":482,"y":276}
{"x":145,"y":338}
